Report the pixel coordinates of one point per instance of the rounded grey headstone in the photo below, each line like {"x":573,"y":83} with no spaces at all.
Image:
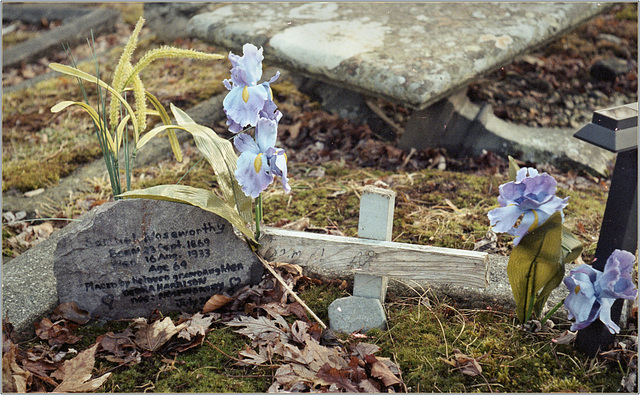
{"x":355,"y":313}
{"x":137,"y":255}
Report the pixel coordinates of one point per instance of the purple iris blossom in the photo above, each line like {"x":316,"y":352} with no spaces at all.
{"x":531,"y":196}
{"x":259,"y":160}
{"x":592,"y":292}
{"x":246,"y":99}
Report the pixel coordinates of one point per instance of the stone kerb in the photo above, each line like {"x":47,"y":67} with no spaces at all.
{"x":74,"y":31}
{"x":135,"y":256}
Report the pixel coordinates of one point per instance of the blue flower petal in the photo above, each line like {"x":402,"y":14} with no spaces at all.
{"x":278,"y":161}
{"x":266,"y":133}
{"x":605,"y":315}
{"x":244,"y":112}
{"x":252,"y":182}
{"x":504,"y":218}
{"x":247,"y":69}
{"x":244,"y":143}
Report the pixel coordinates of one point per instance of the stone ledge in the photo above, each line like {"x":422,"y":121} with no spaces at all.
{"x":412,"y":53}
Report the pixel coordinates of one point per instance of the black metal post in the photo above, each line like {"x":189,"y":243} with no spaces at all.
{"x":615,"y":129}
{"x":619,"y":231}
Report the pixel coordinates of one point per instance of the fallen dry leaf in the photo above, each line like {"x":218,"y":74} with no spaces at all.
{"x":565,"y":338}
{"x":55,"y":333}
{"x":77,"y":373}
{"x":40,"y":369}
{"x":152,"y":337}
{"x":292,"y":377}
{"x":299,"y":332}
{"x":249,"y":356}
{"x":198,"y":324}
{"x":364,"y":349}
{"x":120,"y":347}
{"x":322,"y":355}
{"x":215,"y":302}
{"x":298,"y":310}
{"x":14,"y":378}
{"x":70,"y":311}
{"x":467,"y":365}
{"x":275,"y":309}
{"x":262,"y":330}
{"x":31,"y":235}
{"x":341,"y":377}
{"x":299,"y":225}
{"x":381,"y":371}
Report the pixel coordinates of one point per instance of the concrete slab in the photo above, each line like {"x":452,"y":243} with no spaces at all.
{"x":413,"y":53}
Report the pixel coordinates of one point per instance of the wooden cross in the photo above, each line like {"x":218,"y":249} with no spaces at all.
{"x":372,"y":258}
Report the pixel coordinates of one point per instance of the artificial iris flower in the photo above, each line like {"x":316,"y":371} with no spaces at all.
{"x":278,"y":164}
{"x":246,"y":98}
{"x":531,"y":196}
{"x":259,"y":160}
{"x":592,"y":292}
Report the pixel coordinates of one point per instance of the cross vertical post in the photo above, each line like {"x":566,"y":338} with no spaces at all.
{"x":614,"y":129}
{"x":375,"y":222}
{"x":364,"y":310}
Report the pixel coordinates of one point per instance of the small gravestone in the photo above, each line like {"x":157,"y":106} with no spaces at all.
{"x":135,"y":256}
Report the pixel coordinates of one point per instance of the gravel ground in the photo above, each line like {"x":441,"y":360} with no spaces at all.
{"x":560,"y":85}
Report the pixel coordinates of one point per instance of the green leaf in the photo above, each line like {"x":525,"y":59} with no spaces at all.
{"x":198,"y":197}
{"x":220,"y":154}
{"x":571,"y":246}
{"x":92,"y":113}
{"x":513,"y":168}
{"x":535,"y":262}
{"x":153,"y":133}
{"x":88,"y":77}
{"x":541,"y":298}
{"x":173,"y":140}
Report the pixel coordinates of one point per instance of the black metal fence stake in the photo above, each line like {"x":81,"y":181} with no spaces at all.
{"x":616,"y":130}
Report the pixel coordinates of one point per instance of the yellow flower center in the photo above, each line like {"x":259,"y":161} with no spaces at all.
{"x":245,"y":94}
{"x":577,"y":289}
{"x":257,"y":163}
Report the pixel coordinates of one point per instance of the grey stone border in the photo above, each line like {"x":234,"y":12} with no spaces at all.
{"x":98,"y":20}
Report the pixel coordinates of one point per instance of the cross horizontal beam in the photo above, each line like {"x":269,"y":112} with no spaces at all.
{"x":330,"y":255}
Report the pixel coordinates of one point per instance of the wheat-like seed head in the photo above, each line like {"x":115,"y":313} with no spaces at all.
{"x":123,"y":69}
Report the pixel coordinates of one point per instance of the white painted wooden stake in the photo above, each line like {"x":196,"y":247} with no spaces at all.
{"x":375,"y":222}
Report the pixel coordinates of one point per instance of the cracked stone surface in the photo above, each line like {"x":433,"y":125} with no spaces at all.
{"x":412,"y":53}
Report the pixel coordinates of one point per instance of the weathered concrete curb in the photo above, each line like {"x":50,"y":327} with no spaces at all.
{"x":29,"y":287}
{"x":34,"y":13}
{"x":100,"y":20}
{"x":461,"y":126}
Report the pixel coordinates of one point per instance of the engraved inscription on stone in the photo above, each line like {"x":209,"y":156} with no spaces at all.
{"x":133,"y":256}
